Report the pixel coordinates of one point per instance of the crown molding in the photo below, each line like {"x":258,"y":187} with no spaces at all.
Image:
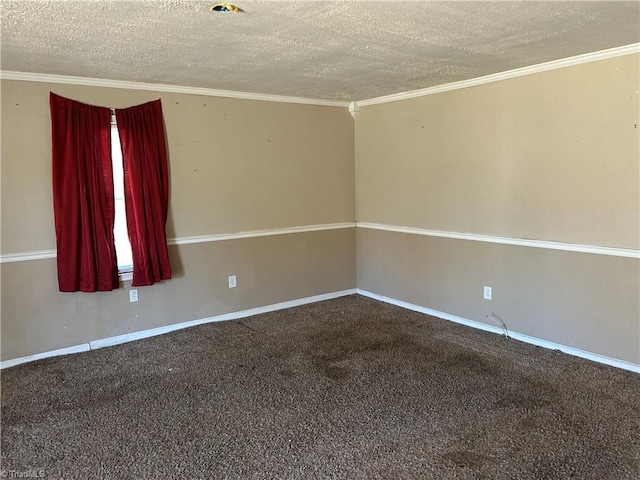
{"x":158,"y":87}
{"x":520,"y":242}
{"x":354,"y":109}
{"x":352,"y":106}
{"x":496,"y":77}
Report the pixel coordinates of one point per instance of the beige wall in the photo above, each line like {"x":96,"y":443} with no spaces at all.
{"x":235,"y":165}
{"x":552,"y":156}
{"x":37,"y":318}
{"x":581,"y":300}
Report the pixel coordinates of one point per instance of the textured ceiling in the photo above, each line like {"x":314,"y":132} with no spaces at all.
{"x":338,"y":50}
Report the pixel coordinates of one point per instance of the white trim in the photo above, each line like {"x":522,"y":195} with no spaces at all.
{"x":158,"y":87}
{"x":39,"y":356}
{"x":110,"y":341}
{"x":518,"y":72}
{"x":26,"y":256}
{"x":570,"y":247}
{"x":614,"y":362}
{"x":125,"y":276}
{"x":129,"y":337}
{"x":258,"y":233}
{"x":354,"y":109}
{"x":522,"y":242}
{"x":211,"y":92}
{"x":38,"y":255}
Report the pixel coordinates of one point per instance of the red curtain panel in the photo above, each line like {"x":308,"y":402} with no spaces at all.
{"x":146,"y":190}
{"x":83,"y":203}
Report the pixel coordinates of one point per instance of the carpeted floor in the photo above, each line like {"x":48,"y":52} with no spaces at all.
{"x":348,"y":388}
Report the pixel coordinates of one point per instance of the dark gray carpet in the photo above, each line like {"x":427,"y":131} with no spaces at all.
{"x":348,"y":388}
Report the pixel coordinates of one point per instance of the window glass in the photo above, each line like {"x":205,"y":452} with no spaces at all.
{"x":123,"y":247}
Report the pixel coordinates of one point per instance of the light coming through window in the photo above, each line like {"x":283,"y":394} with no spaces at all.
{"x":123,"y":247}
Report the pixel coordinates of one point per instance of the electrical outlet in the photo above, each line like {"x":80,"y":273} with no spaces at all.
{"x":487,"y":293}
{"x":232,"y":281}
{"x":133,"y":295}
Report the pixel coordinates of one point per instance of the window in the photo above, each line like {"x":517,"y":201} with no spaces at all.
{"x":92,"y":228}
{"x":123,"y":246}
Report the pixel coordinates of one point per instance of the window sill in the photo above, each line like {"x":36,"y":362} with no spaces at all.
{"x":125,"y":275}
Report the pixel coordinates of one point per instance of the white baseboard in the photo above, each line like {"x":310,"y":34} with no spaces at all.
{"x":614,"y":362}
{"x":129,"y":337}
{"x":84,"y":347}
